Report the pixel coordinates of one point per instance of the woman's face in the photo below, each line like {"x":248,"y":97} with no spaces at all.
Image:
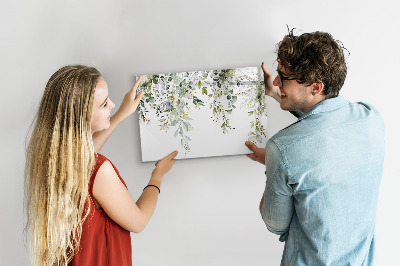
{"x":102,"y":106}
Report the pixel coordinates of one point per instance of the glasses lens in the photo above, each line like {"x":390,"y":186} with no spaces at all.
{"x":280,"y":78}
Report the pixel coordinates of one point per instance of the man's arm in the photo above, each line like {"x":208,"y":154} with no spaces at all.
{"x":261,"y":203}
{"x":128,"y":107}
{"x":270,"y":89}
{"x":276,"y":211}
{"x":276,"y":206}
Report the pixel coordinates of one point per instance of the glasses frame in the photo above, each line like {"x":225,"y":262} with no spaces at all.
{"x":282,"y":78}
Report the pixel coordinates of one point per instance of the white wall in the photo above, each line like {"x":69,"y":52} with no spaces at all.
{"x":208,"y":208}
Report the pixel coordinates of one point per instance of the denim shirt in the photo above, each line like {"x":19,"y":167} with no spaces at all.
{"x":323,"y":176}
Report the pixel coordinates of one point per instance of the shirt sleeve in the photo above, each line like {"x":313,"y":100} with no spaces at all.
{"x":277,"y":209}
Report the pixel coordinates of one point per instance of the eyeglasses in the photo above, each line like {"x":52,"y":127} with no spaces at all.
{"x":282,"y":78}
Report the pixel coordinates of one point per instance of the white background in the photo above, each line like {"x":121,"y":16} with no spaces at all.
{"x":208,"y":208}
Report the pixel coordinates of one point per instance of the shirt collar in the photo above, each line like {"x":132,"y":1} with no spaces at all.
{"x":325,"y":106}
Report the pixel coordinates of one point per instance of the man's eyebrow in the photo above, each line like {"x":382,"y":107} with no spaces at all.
{"x":283,"y":74}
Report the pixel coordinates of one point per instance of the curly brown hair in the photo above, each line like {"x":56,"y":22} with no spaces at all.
{"x":314,"y":57}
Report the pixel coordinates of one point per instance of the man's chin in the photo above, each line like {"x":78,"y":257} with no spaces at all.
{"x":284,"y":107}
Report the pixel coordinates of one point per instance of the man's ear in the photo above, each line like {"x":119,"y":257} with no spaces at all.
{"x":317,"y":88}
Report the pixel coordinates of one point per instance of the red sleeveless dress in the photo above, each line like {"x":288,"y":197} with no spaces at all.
{"x":103,"y":241}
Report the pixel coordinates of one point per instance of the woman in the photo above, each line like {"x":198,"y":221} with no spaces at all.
{"x":78,"y":207}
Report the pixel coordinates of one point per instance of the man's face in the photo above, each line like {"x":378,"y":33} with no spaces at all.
{"x":294,"y":96}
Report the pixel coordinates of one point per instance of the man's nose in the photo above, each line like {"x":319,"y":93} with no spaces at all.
{"x":277,"y":81}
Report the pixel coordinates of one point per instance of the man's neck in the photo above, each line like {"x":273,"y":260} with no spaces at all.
{"x":316,"y":100}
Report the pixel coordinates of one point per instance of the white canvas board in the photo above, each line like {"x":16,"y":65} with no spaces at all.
{"x":202,"y":113}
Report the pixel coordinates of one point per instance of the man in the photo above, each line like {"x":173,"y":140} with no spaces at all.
{"x":323,"y":171}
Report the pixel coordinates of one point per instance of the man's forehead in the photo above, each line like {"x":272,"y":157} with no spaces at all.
{"x":282,"y":69}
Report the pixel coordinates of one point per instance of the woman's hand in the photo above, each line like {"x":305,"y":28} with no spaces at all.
{"x":164,"y":165}
{"x":128,"y":107}
{"x":270,"y":89}
{"x":131,"y":101}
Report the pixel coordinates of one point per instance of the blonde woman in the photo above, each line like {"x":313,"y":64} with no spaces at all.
{"x":78,"y":207}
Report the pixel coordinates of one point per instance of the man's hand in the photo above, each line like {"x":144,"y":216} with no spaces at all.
{"x":270,"y":89}
{"x":258,"y":155}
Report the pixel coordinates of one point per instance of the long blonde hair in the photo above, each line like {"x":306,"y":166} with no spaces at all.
{"x":59,"y":161}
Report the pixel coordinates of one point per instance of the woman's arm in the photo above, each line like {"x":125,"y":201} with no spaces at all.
{"x":116,"y":201}
{"x":128,"y":107}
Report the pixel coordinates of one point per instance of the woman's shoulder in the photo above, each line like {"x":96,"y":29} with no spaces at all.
{"x":100,"y":158}
{"x":106,"y":167}
{"x":102,"y":165}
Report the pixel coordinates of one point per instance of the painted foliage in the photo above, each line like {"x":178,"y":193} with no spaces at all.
{"x":170,"y":99}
